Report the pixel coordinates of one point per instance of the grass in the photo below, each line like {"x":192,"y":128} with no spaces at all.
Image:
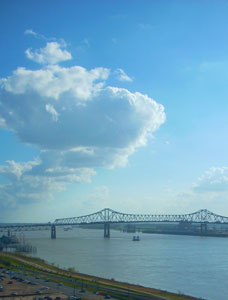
{"x":33,"y":266}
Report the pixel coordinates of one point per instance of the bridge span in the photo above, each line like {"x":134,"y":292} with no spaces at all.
{"x":108,"y":216}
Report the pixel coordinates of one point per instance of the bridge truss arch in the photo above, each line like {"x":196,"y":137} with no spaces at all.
{"x":108,"y":215}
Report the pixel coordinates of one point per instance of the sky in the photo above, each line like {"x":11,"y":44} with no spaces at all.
{"x":112,"y":104}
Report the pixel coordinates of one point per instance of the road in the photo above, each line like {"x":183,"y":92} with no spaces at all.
{"x":59,"y":285}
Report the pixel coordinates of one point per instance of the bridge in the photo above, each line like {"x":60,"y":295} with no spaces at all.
{"x":108,"y":216}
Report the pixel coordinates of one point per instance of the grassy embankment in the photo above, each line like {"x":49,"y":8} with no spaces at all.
{"x":74,"y":279}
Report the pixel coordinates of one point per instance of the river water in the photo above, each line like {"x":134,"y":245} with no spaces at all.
{"x":192,"y":265}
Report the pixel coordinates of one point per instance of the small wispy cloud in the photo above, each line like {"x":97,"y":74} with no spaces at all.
{"x":122,"y":76}
{"x":145,"y":26}
{"x":214,"y":180}
{"x":210,"y":190}
{"x":114,"y":40}
{"x":86,"y":42}
{"x":83,"y":45}
{"x":43,"y":37}
{"x":212,"y":66}
{"x":51,"y":110}
{"x":31,"y":32}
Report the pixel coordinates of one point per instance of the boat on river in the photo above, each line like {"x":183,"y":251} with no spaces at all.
{"x":135,"y":238}
{"x":67,"y":228}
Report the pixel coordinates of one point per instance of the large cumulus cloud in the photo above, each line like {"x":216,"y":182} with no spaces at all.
{"x":76,"y":120}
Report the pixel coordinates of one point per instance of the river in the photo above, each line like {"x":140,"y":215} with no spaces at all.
{"x":192,"y":265}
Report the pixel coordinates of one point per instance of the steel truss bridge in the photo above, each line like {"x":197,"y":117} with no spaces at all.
{"x":108,"y":216}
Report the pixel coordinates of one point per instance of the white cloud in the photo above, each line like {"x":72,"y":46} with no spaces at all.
{"x":114,"y":40}
{"x":2,"y":123}
{"x":145,"y":26}
{"x":51,"y":54}
{"x":86,"y":42}
{"x":50,"y":109}
{"x":134,"y":116}
{"x":213,"y":66}
{"x":54,"y":81}
{"x":122,"y":76}
{"x":26,"y":183}
{"x":14,"y":170}
{"x":209,"y":191}
{"x":31,"y":32}
{"x":215,"y":180}
{"x":43,"y":37}
{"x":94,"y":125}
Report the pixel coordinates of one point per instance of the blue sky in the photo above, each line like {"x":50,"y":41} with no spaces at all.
{"x":119,"y":104}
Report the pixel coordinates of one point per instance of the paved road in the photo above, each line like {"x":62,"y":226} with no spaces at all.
{"x":80,"y":289}
{"x":69,"y":291}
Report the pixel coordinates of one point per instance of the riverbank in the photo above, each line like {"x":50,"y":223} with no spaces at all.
{"x":93,"y":283}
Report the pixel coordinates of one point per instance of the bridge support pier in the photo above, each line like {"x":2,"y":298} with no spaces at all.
{"x":203,"y":227}
{"x":53,"y":232}
{"x":106,"y":230}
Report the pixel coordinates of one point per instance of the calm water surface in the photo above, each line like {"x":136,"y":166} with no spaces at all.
{"x":197,"y":266}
